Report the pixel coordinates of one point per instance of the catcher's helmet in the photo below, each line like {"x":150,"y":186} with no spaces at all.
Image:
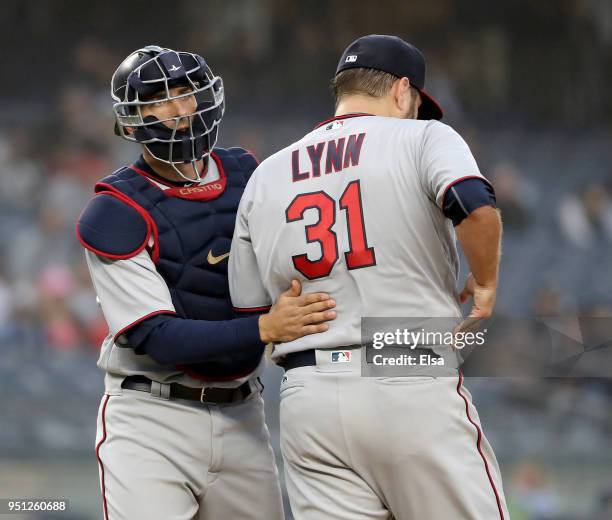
{"x":154,"y":70}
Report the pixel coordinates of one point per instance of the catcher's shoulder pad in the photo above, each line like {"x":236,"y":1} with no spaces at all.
{"x":112,"y":228}
{"x":244,"y":159}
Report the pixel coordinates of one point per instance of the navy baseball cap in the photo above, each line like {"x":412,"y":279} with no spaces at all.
{"x":394,"y":56}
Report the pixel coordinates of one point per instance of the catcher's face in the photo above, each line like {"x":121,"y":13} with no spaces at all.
{"x":173,"y":112}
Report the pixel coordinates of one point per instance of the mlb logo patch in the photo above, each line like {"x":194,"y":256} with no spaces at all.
{"x":334,"y":125}
{"x":351,"y":58}
{"x":341,"y":356}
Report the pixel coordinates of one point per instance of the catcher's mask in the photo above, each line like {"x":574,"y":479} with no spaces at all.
{"x":146,"y":77}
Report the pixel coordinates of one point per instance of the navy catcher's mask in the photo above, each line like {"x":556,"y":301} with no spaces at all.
{"x":145,"y":77}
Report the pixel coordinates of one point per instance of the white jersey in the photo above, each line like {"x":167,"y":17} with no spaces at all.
{"x":354,"y":209}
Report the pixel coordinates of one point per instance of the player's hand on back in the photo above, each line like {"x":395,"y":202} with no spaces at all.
{"x":482,"y":308}
{"x":483,"y":295}
{"x":295,"y":315}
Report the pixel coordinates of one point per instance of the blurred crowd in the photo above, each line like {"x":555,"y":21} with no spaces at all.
{"x":543,"y":140}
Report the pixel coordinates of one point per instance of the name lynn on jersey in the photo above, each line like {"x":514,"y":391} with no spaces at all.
{"x":339,"y":154}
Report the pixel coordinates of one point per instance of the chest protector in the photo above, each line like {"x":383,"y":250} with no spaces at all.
{"x":189,"y":230}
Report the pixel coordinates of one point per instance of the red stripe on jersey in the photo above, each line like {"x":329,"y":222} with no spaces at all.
{"x":345,"y":116}
{"x":140,"y":320}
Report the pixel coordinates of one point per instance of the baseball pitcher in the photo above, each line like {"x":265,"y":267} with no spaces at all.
{"x":367,"y":207}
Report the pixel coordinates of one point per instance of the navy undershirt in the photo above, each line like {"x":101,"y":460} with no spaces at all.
{"x":171,"y":340}
{"x":466,"y":196}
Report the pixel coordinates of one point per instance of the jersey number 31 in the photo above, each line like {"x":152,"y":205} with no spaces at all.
{"x":359,"y":255}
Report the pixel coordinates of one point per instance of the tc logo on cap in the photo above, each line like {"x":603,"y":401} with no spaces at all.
{"x":351,"y":59}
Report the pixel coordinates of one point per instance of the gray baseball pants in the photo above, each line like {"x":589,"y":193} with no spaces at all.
{"x":408,"y":448}
{"x":182,"y":460}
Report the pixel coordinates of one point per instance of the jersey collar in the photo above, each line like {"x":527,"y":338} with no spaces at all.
{"x":345,"y":116}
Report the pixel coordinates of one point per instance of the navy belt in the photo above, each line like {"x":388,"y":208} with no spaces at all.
{"x":204,"y":395}
{"x":308,"y":358}
{"x":304,"y":358}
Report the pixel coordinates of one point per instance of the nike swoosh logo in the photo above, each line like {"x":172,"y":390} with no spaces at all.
{"x":212,"y":259}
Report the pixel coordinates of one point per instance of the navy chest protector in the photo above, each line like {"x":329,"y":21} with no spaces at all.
{"x":187,"y":230}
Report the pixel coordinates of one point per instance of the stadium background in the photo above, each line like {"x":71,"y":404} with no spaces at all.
{"x":525,"y":82}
